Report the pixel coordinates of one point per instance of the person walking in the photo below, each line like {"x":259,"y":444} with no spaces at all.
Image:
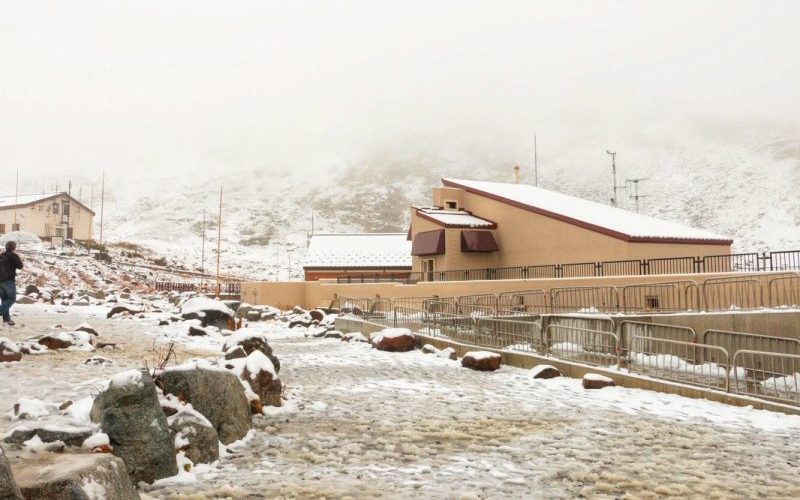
{"x":9,"y":263}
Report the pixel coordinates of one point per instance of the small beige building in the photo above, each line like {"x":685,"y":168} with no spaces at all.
{"x":46,"y":216}
{"x":478,"y":224}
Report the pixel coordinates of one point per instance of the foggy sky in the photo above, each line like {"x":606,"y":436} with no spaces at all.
{"x":158,"y":86}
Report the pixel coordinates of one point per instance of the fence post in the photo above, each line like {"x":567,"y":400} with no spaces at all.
{"x":644,"y":267}
{"x":699,"y":265}
{"x":559,"y":271}
{"x":598,"y":268}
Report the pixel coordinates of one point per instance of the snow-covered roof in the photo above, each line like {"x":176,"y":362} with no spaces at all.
{"x":455,"y":218}
{"x":358,"y":250}
{"x":588,"y":214}
{"x":11,"y":200}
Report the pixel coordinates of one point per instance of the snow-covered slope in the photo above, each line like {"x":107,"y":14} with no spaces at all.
{"x":743,"y":182}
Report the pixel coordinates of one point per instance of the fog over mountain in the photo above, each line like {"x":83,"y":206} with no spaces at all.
{"x":354,"y":109}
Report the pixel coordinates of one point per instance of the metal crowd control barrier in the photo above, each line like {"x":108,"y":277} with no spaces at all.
{"x":767,"y":375}
{"x":529,"y":301}
{"x":523,"y":336}
{"x":484,"y":300}
{"x":661,"y":297}
{"x":679,"y":361}
{"x":722,"y":294}
{"x":630,"y":329}
{"x":583,"y":321}
{"x":451,"y":326}
{"x":591,"y":347}
{"x":415,"y":320}
{"x":584,"y":299}
{"x":784,"y":291}
{"x":441,"y":306}
{"x":739,"y":341}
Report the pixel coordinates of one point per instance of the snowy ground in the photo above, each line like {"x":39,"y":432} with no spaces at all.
{"x":366,"y":424}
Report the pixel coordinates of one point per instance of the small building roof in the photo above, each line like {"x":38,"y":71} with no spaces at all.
{"x":358,"y":251}
{"x":454,"y":218}
{"x":24,"y":200}
{"x":605,"y":219}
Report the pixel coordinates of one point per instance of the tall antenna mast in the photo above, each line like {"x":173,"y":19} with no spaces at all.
{"x":16,"y":202}
{"x":102,"y":205}
{"x":535,"y":163}
{"x":614,"y":199}
{"x":219,"y":236}
{"x":636,"y":195}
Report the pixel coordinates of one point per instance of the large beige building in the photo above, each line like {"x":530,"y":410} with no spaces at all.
{"x":477,"y":224}
{"x":46,"y":216}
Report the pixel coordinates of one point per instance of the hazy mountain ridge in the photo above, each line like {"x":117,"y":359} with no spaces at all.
{"x":747,"y":189}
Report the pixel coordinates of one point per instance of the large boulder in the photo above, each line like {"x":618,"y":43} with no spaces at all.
{"x":545,"y":371}
{"x":393,"y":340}
{"x":122,"y":309}
{"x":481,"y":360}
{"x":85,"y":476}
{"x":130,"y":414}
{"x":214,"y":392}
{"x":195,"y":436}
{"x":68,"y":340}
{"x":210,"y":312}
{"x":8,"y":486}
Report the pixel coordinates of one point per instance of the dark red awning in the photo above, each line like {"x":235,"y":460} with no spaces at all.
{"x":478,"y":241}
{"x":428,"y":243}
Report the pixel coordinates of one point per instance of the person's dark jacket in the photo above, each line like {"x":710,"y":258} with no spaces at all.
{"x":9,"y":263}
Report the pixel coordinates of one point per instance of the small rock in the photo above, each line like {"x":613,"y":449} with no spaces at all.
{"x":481,"y":360}
{"x":196,"y":331}
{"x":545,"y":372}
{"x":597,"y":381}
{"x":70,"y":437}
{"x":448,"y":353}
{"x":163,"y":322}
{"x":236,"y":353}
{"x":354,"y":337}
{"x":97,"y":360}
{"x":121,"y":309}
{"x":195,"y":436}
{"x":253,"y":315}
{"x":24,"y":299}
{"x":9,"y":358}
{"x":334,"y":334}
{"x":429,"y":349}
{"x":317,"y":315}
{"x":86,"y":327}
{"x":31,"y":289}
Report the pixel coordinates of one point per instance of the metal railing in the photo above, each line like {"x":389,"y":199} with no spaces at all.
{"x":525,"y":336}
{"x":767,"y":375}
{"x":584,"y":299}
{"x":630,"y":329}
{"x":784,"y":260}
{"x":740,"y":341}
{"x":591,"y":347}
{"x":679,"y":361}
{"x":784,"y":291}
{"x":661,"y":297}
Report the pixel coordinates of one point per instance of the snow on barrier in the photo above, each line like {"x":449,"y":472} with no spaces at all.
{"x":679,"y":361}
{"x":767,"y":375}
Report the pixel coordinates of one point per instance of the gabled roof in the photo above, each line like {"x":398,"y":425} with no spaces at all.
{"x":26,"y":200}
{"x":587,"y":214}
{"x":358,"y":251}
{"x":454,"y":218}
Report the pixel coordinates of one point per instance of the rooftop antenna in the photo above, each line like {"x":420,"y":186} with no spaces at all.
{"x":516,"y":174}
{"x":535,"y":163}
{"x":614,"y":199}
{"x":636,"y":194}
{"x":16,"y":202}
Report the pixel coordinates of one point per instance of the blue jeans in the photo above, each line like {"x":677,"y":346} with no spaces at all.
{"x":8,"y":294}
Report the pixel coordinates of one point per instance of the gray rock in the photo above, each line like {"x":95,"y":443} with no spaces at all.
{"x":120,"y":309}
{"x":70,"y":437}
{"x":235,"y":353}
{"x":268,"y":316}
{"x":243,"y":309}
{"x":195,"y":436}
{"x":24,"y":299}
{"x":253,"y":315}
{"x":216,"y":394}
{"x":137,"y":429}
{"x":8,"y":487}
{"x":31,"y":289}
{"x":83,"y":476}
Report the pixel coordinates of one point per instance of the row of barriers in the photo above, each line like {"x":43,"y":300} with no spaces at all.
{"x":735,"y":362}
{"x":231,"y":288}
{"x":780,"y":290}
{"x":784,"y":260}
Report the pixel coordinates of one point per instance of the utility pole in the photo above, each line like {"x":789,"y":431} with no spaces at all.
{"x":614,"y":200}
{"x":535,"y":163}
{"x":102,"y":205}
{"x":16,"y":202}
{"x":636,"y":195}
{"x":219,"y":236}
{"x":203,"y":247}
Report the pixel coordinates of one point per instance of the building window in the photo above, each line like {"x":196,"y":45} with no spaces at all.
{"x":65,"y":208}
{"x":450,"y":205}
{"x":2,"y":229}
{"x":54,"y":208}
{"x":15,"y":227}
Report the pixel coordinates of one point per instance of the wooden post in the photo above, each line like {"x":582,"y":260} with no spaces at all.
{"x":102,"y":205}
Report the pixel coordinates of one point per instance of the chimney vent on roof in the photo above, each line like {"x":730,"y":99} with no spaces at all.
{"x":516,"y":174}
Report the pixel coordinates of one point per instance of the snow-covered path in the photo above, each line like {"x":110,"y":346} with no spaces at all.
{"x":364,"y":423}
{"x":367,"y":424}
